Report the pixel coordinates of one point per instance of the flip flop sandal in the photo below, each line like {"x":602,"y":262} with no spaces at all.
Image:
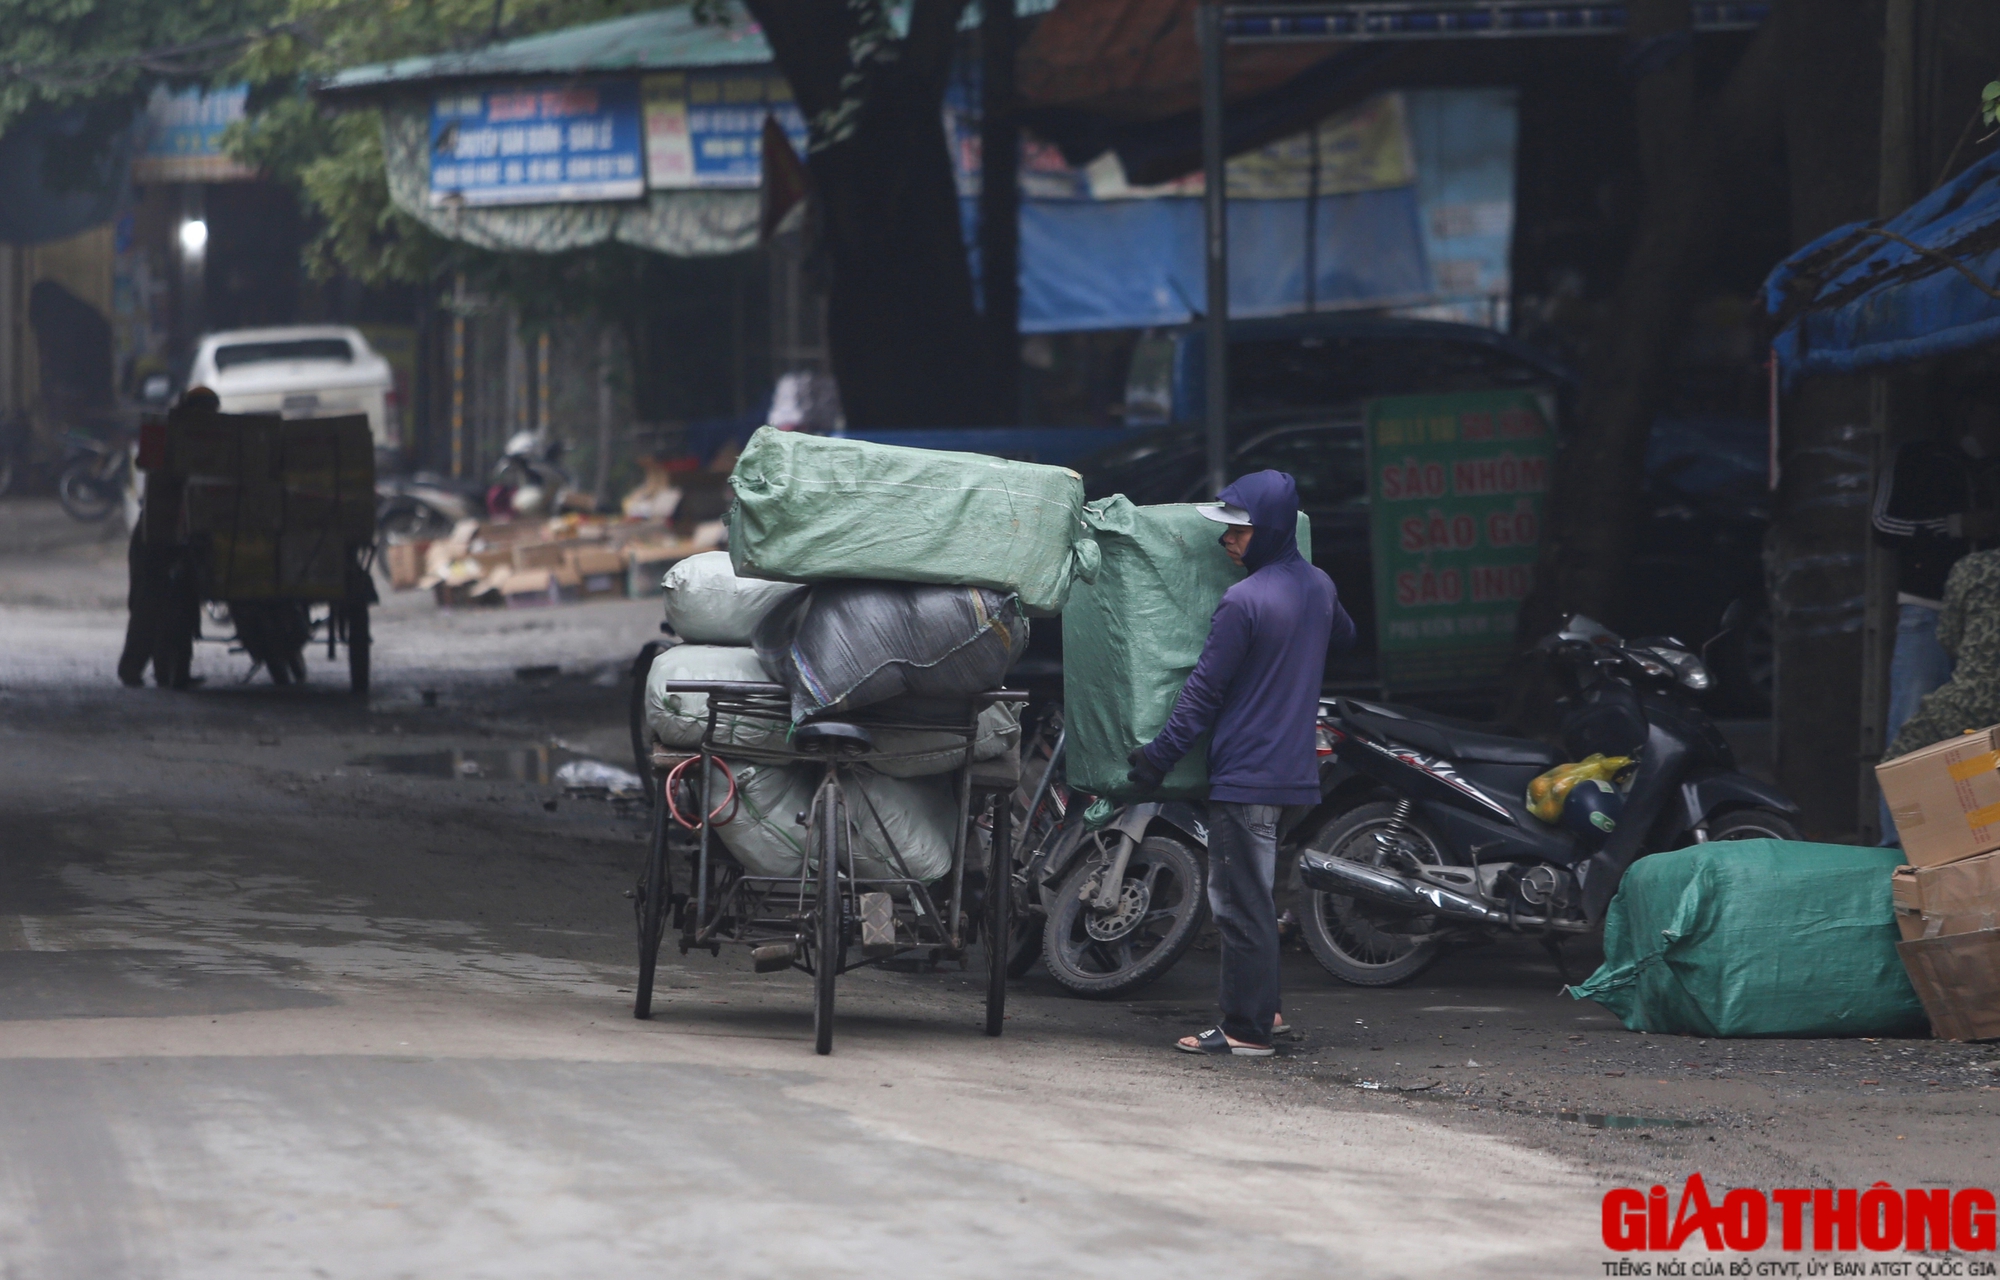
{"x":1279,"y":1027}
{"x":1213,"y":1041}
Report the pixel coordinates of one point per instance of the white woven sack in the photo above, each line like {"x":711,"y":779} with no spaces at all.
{"x":707,"y":603}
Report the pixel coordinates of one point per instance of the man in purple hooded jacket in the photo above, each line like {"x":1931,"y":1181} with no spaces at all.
{"x":1256,"y":688}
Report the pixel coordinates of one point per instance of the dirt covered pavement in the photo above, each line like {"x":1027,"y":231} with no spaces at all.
{"x":287,"y":989}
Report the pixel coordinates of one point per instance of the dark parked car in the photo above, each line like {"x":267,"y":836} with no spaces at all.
{"x":1299,"y":388}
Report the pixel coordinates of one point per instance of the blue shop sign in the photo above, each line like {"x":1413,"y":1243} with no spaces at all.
{"x":706,"y":128}
{"x":537,"y":144}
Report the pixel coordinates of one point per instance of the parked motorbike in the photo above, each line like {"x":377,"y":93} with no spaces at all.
{"x":529,"y":480}
{"x":1430,"y":841}
{"x":94,"y":476}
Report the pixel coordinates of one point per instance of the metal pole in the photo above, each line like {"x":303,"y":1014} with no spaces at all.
{"x":542,"y":381}
{"x":1312,"y":221}
{"x":458,"y":378}
{"x":1000,"y":205}
{"x":1894,"y":192}
{"x":1215,"y":228}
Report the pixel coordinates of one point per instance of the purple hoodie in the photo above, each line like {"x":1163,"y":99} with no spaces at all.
{"x":1257,"y":684}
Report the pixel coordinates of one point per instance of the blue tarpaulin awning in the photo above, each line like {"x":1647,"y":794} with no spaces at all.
{"x":1879,"y":293}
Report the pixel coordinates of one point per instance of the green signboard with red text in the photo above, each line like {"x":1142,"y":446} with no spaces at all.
{"x":1456,"y":484}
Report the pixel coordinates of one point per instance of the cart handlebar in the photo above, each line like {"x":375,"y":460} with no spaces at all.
{"x":759,"y":689}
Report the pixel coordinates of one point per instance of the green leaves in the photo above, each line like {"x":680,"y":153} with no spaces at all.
{"x":335,"y":159}
{"x":1989,"y":103}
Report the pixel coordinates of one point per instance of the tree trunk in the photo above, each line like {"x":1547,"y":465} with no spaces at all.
{"x":1000,"y":208}
{"x":1594,"y":506}
{"x":1817,"y":551}
{"x":904,"y":335}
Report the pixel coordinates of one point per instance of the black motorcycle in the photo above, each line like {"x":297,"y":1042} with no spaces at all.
{"x":1429,"y":839}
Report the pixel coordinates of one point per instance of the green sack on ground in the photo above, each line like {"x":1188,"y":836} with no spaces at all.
{"x":813,"y":508}
{"x":1757,"y":938}
{"x":1133,"y":634}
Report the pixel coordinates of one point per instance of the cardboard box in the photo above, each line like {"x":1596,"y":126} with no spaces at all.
{"x":600,"y":572}
{"x":406,"y":562}
{"x":529,"y":588}
{"x":589,"y":559}
{"x":1958,"y":979}
{"x":601,"y":586}
{"x":541,"y":555}
{"x":1945,"y":799}
{"x":505,"y":533}
{"x":216,"y":505}
{"x":1958,"y":897}
{"x":454,"y":594}
{"x":646,"y":563}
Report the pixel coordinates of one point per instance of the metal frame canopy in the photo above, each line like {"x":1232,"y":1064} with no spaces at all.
{"x":1402,"y":20}
{"x":1220,"y":25}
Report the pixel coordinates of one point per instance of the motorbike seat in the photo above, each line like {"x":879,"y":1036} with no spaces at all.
{"x":1441,"y":737}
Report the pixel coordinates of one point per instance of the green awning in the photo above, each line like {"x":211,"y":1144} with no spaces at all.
{"x":659,"y":40}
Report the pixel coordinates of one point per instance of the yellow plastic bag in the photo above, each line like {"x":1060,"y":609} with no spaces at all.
{"x":1548,"y":791}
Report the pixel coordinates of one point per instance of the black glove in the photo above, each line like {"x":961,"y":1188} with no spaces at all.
{"x":1144,"y":775}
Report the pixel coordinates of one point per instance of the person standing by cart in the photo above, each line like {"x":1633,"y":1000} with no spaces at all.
{"x":1256,"y":691}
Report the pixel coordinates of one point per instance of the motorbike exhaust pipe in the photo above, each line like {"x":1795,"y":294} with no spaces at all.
{"x":1351,"y":879}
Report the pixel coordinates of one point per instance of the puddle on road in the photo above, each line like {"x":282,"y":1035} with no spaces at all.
{"x":1598,"y":1121}
{"x":520,"y":764}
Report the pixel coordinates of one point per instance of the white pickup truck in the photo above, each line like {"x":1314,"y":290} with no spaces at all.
{"x":301,"y":371}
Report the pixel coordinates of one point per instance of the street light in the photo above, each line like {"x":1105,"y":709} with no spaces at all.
{"x":194,"y":237}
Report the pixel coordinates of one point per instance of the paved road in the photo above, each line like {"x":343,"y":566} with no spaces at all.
{"x":269,"y":1007}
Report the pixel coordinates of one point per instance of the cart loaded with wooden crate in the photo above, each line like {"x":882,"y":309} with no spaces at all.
{"x":275,"y":521}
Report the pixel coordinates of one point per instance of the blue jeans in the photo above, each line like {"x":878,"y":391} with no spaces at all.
{"x":1920,"y":665}
{"x":1242,"y":867}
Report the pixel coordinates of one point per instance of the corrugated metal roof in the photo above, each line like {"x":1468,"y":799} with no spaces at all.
{"x":659,"y":40}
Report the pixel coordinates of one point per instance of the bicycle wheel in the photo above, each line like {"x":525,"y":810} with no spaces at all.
{"x":651,"y":909}
{"x":999,"y":912}
{"x":829,"y":852}
{"x":635,"y":712}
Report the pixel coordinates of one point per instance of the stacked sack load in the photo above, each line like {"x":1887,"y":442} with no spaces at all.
{"x":1132,"y":635}
{"x":879,"y":583}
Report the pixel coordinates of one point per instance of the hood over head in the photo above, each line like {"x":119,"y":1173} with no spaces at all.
{"x":1272,"y":499}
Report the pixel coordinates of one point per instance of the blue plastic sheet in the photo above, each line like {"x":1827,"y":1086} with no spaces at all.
{"x":1854,"y":300}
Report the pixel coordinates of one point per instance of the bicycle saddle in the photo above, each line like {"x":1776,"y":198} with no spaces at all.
{"x":832,"y":738}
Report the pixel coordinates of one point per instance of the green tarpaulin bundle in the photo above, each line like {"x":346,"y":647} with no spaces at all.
{"x":1132,"y":635}
{"x":814,"y":508}
{"x":1757,"y":938}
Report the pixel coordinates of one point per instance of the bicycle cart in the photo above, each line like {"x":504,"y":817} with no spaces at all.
{"x":829,"y":918}
{"x":272,"y":520}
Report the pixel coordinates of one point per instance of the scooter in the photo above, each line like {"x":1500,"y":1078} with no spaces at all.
{"x":95,"y":475}
{"x":1429,"y":839}
{"x":529,"y":480}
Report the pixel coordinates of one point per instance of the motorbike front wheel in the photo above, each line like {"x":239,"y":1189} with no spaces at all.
{"x":1752,"y":824}
{"x":1159,"y":908}
{"x":1358,"y":942}
{"x":83,"y":495}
